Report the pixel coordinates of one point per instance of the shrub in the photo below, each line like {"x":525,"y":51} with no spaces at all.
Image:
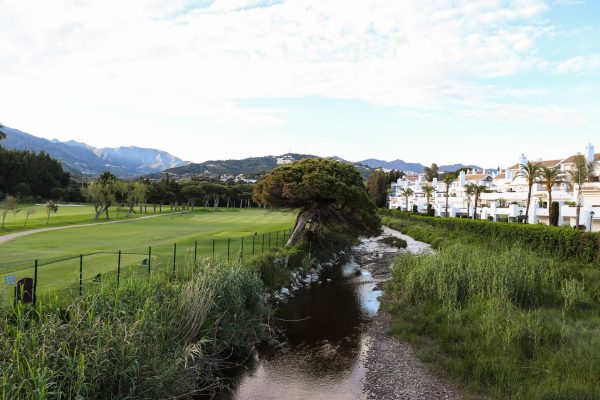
{"x":556,"y":241}
{"x":395,"y":242}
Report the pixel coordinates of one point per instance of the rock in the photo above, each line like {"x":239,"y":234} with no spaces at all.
{"x":329,"y":280}
{"x":284,"y":291}
{"x":294,"y":275}
{"x":314,"y":278}
{"x":320,"y":282}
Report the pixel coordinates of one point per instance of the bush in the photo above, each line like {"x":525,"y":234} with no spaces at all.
{"x":395,"y":242}
{"x":557,"y":241}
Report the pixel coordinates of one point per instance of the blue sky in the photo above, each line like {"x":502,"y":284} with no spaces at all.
{"x":425,"y":81}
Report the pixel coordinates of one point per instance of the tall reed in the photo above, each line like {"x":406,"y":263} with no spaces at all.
{"x":157,"y":337}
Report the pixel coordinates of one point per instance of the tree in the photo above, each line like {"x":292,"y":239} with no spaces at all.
{"x":101,"y":195}
{"x":377,"y":185}
{"x":476,"y":190}
{"x":135,"y":193}
{"x":531,"y":172}
{"x":29,"y":212}
{"x":449,"y":178}
{"x":330,"y":195}
{"x":469,"y":191}
{"x":406,"y":193}
{"x":577,"y":177}
{"x":429,"y":191}
{"x":8,"y":205}
{"x":551,"y":177}
{"x":2,"y":134}
{"x":51,"y":208}
{"x":431,"y":172}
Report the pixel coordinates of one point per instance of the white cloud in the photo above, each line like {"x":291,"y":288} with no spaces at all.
{"x":89,"y":59}
{"x":579,"y":64}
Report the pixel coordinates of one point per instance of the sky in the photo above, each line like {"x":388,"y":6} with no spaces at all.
{"x":471,"y":81}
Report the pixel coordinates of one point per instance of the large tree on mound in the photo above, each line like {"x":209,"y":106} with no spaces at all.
{"x":331,"y":197}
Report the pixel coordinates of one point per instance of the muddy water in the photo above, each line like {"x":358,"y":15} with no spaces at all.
{"x":322,"y":353}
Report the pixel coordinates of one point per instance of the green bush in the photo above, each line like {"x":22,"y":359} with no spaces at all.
{"x":561,"y":242}
{"x":395,"y":242}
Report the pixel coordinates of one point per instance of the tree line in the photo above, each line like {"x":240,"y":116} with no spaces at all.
{"x":30,"y":174}
{"x":108,"y":192}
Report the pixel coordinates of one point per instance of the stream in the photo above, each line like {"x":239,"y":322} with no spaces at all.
{"x":323,"y":349}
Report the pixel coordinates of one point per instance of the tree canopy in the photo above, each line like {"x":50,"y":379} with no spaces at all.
{"x":330,"y":194}
{"x":378,"y":185}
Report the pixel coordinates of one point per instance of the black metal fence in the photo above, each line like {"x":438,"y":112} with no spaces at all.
{"x":75,"y":274}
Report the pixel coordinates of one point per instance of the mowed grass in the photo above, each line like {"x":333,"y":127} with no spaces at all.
{"x":68,"y":214}
{"x":58,"y":252}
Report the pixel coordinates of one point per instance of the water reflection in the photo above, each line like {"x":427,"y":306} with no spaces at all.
{"x":322,"y":355}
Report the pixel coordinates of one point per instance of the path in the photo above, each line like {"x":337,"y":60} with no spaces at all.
{"x":12,"y":236}
{"x":393,"y":370}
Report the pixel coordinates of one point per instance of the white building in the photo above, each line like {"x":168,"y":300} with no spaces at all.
{"x":506,"y":195}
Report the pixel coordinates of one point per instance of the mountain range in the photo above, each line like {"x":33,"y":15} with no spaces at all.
{"x":413,"y":167}
{"x":80,"y":158}
{"x":131,"y":162}
{"x":252,"y":167}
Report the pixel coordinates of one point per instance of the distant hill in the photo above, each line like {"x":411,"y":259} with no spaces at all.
{"x":414,"y":167}
{"x":76,"y":157}
{"x":253,"y":167}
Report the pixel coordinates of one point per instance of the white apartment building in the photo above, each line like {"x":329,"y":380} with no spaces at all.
{"x":506,"y":196}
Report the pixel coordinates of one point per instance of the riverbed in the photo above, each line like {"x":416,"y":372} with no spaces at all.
{"x":327,"y":347}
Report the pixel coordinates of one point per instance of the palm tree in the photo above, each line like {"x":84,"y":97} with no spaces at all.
{"x":531,"y":172}
{"x":469,"y":191}
{"x":407,"y":192}
{"x":429,"y":191}
{"x":551,"y":177}
{"x":473,"y":189}
{"x":449,"y":178}
{"x":577,"y":177}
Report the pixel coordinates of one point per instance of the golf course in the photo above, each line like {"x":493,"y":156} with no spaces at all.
{"x":202,"y":233}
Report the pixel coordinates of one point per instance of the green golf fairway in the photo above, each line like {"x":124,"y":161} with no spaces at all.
{"x":195,"y":233}
{"x":68,"y":214}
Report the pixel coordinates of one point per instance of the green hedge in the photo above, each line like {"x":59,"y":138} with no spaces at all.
{"x":563,"y":242}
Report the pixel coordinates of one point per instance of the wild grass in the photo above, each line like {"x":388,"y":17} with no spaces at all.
{"x":157,"y":337}
{"x":500,"y":318}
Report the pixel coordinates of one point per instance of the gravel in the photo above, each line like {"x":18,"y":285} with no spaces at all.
{"x":392,"y":369}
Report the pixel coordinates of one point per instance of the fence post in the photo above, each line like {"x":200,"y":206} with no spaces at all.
{"x":242,"y":253}
{"x":119,"y":269}
{"x":80,"y":275}
{"x":262,"y":246}
{"x":213,"y":249}
{"x":174,"y":256}
{"x":35,"y":281}
{"x":253,"y":240}
{"x":149,"y":259}
{"x":195,"y":251}
{"x":228,"y":247}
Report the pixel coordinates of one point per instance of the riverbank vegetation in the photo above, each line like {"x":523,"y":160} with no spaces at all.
{"x":497,"y":312}
{"x":161,"y":337}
